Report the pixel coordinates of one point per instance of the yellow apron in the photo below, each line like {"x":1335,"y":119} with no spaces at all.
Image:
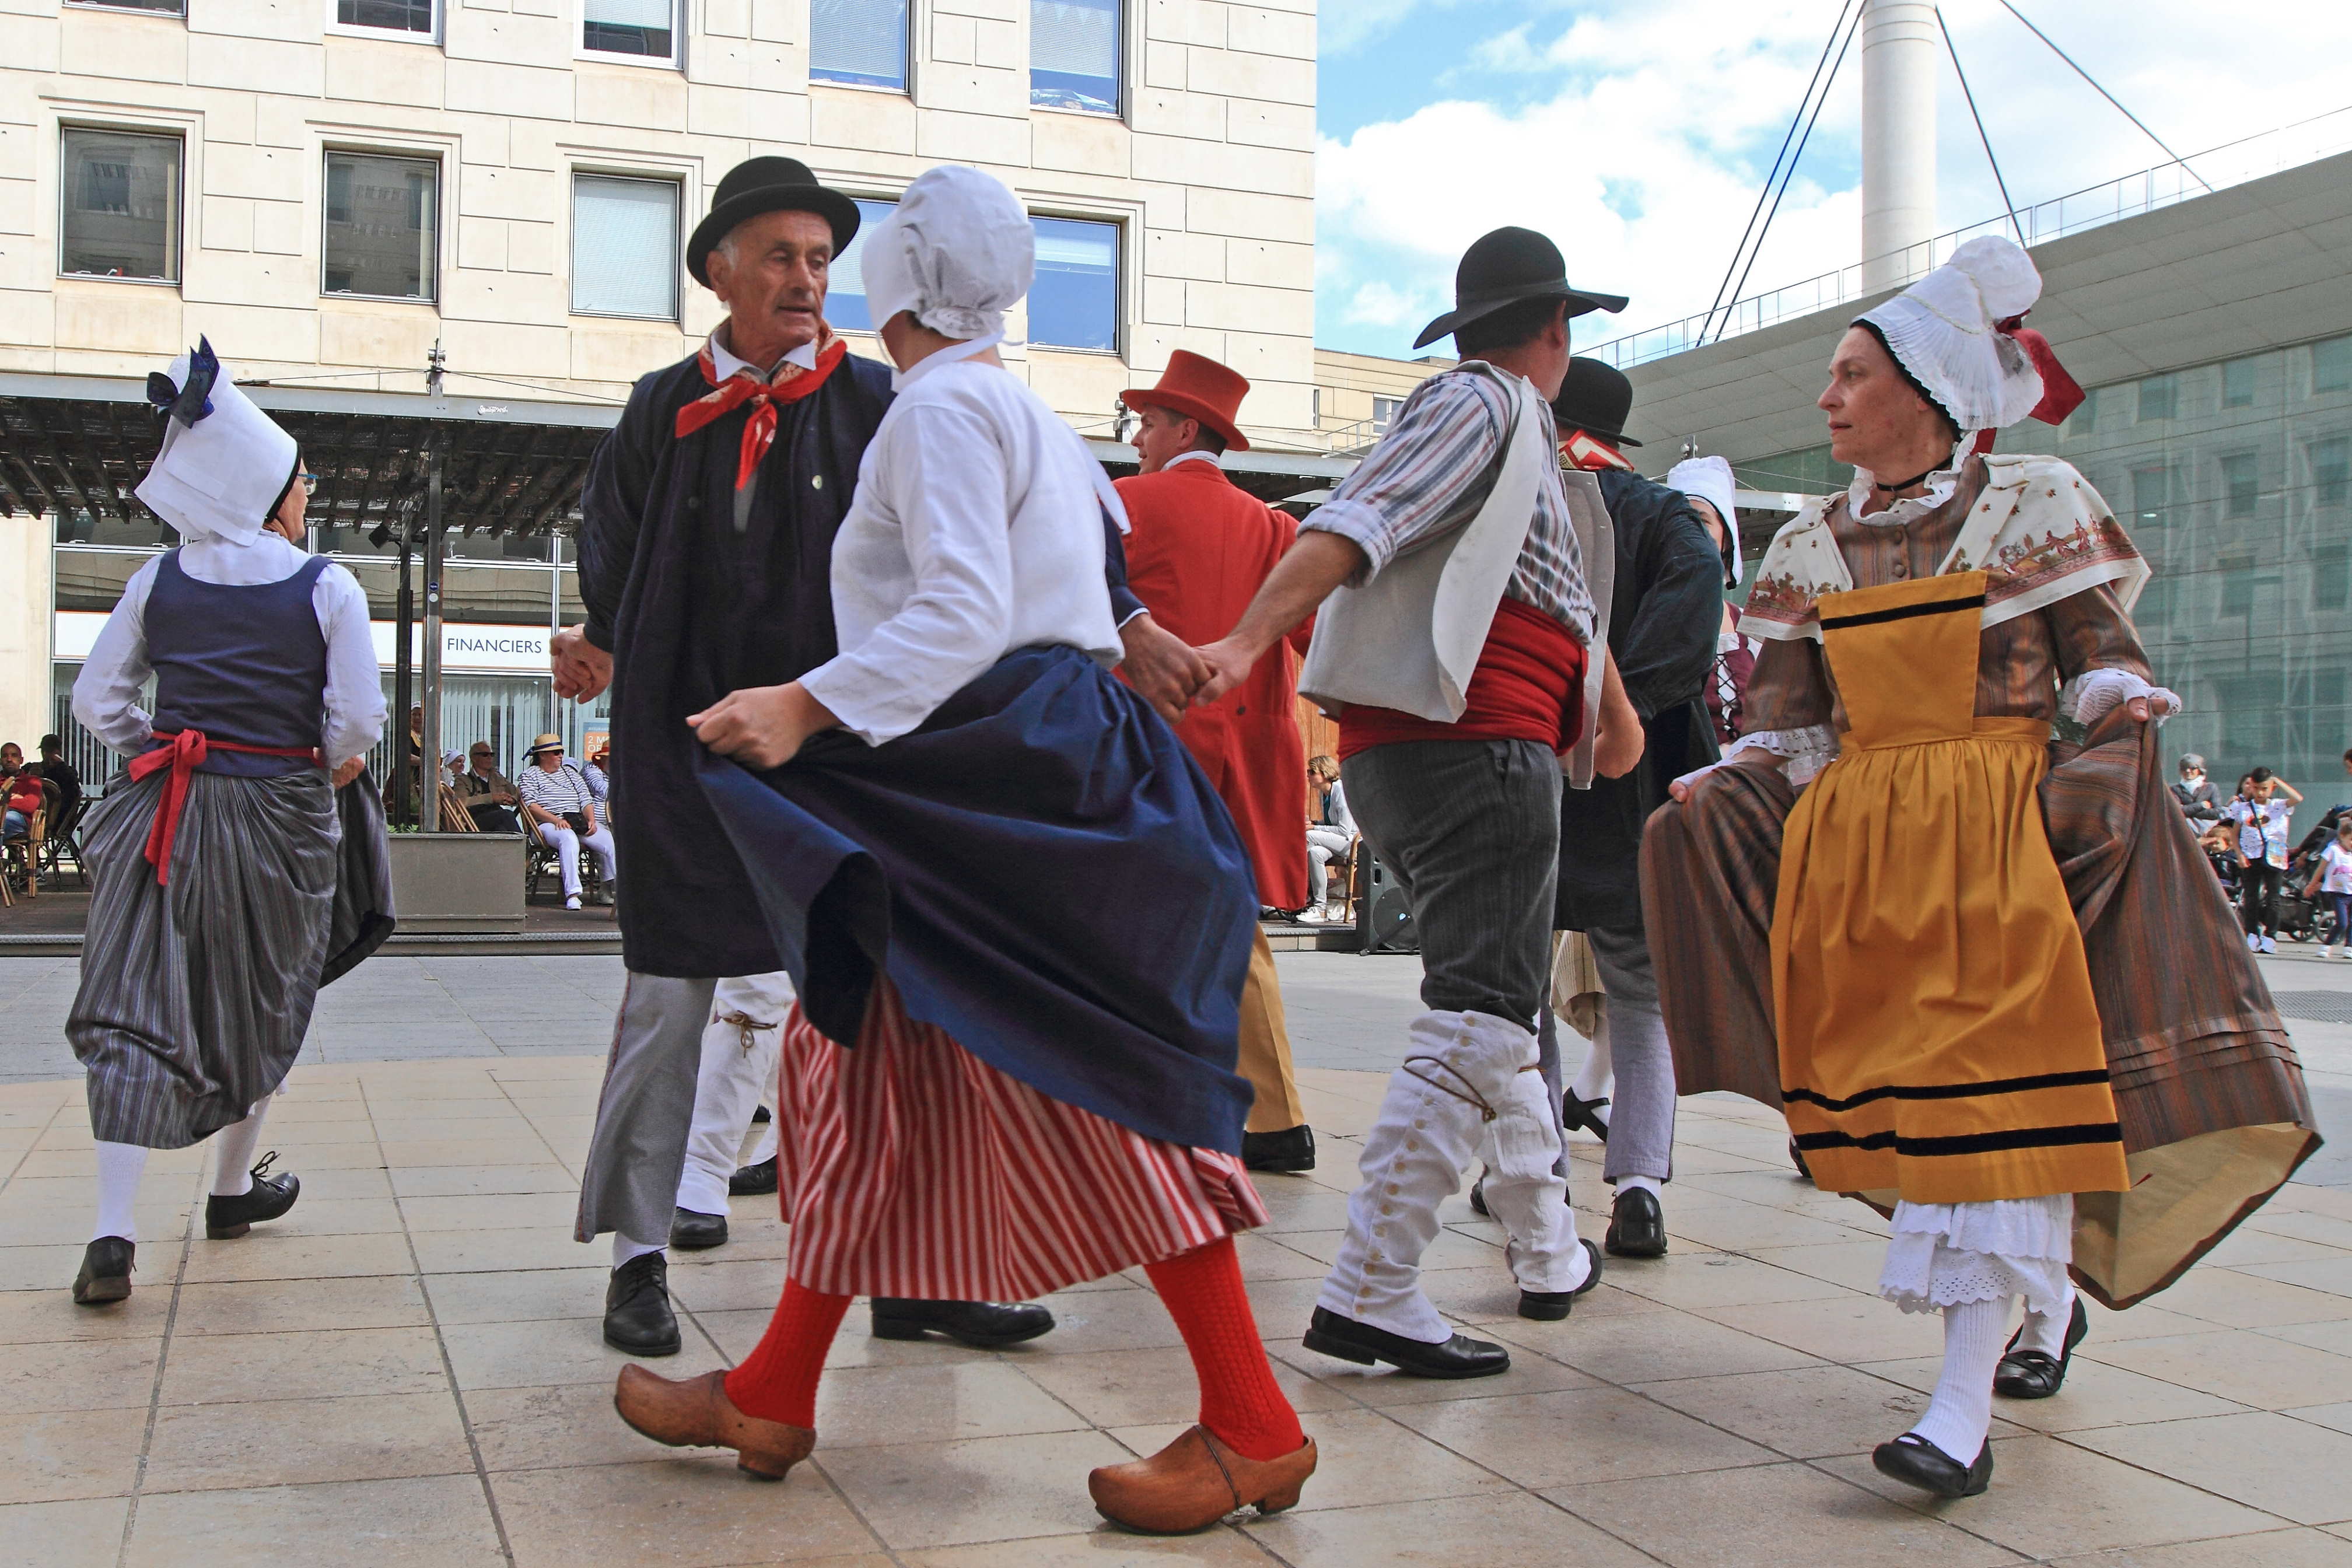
{"x":1938,"y":1039}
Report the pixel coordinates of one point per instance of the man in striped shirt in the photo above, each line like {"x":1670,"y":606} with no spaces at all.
{"x":1458,"y":520}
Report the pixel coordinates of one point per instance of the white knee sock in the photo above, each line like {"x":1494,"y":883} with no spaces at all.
{"x":232,"y":1153}
{"x":2046,"y":1331}
{"x":1649,"y":1184}
{"x":119,"y":1168}
{"x":623,"y":1249}
{"x":1960,"y":1413}
{"x":1594,"y":1079}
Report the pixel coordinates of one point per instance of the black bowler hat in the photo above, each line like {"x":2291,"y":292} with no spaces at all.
{"x":1595,"y":399}
{"x":759,"y":185}
{"x":1505,"y":268}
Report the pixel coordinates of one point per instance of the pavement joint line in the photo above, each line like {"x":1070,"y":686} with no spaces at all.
{"x":163,"y":1362}
{"x":441,"y":1347}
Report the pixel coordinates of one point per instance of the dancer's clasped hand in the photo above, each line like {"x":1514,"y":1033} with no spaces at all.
{"x":763,"y":726}
{"x":582,"y":669}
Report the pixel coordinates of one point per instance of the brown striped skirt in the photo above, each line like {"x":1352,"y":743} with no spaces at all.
{"x":2207,"y":1085}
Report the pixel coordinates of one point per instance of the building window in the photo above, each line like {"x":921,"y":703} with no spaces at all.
{"x":625,"y":247}
{"x":1074,"y":304}
{"x":1074,"y":54}
{"x":415,"y":17}
{"x":2151,"y":493}
{"x":163,"y":7}
{"x":2085,"y":420}
{"x":2331,"y":577}
{"x":122,"y":216}
{"x":860,"y":42}
{"x":2331,"y":365}
{"x":2240,"y":489}
{"x":2238,"y":384}
{"x":845,"y":296}
{"x":2159,"y":395}
{"x":1384,"y":409}
{"x":382,"y":226}
{"x":2331,"y":470}
{"x":647,"y":29}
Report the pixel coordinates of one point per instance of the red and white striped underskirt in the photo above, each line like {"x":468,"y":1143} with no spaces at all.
{"x":910,"y":1167}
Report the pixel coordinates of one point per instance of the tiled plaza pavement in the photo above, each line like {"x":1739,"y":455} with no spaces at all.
{"x":407,"y":1370}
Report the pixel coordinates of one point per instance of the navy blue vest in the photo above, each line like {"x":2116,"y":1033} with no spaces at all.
{"x":242,"y":664}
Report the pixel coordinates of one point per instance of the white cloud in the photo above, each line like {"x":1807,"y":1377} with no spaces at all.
{"x":1380,"y":305}
{"x":1644,"y":163}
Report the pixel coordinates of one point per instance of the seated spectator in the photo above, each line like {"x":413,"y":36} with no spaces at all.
{"x":562,"y":809}
{"x":12,"y":758}
{"x":2195,"y":791}
{"x":1326,"y":839}
{"x":24,"y":799}
{"x":599,"y":774}
{"x":490,"y":797}
{"x":57,"y":770}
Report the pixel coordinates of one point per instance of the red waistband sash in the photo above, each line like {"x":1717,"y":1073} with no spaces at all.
{"x":183,"y":755}
{"x":1529,"y":686}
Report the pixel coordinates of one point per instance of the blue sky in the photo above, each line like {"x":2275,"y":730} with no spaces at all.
{"x":1635,"y":133}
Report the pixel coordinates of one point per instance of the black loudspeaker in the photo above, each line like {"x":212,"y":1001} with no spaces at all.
{"x":1383,"y":915}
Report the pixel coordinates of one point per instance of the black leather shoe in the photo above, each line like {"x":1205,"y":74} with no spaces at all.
{"x":1584,"y":1113}
{"x":751,"y":1181}
{"x":638,"y":1318}
{"x":1479,"y":1198}
{"x":1917,"y":1462}
{"x":2034,"y":1374}
{"x":269,"y":1197}
{"x":105,"y":1276}
{"x":693,"y":1232}
{"x":1796,"y":1158}
{"x":983,"y":1325}
{"x":1551,"y":1306}
{"x":1328,"y":1333}
{"x":1636,"y":1228}
{"x":760,"y":1115}
{"x":1291,"y":1150}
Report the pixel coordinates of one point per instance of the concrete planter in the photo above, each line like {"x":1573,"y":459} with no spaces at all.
{"x":457,"y":881}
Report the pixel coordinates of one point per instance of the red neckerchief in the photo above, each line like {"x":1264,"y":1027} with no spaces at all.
{"x":791,"y":383}
{"x":184,"y":750}
{"x":1593,"y":454}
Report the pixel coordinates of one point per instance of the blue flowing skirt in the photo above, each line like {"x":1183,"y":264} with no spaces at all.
{"x":1042,"y":870}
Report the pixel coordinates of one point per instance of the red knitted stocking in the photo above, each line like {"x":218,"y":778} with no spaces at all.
{"x":777,"y":1381}
{"x":1239,"y":1401}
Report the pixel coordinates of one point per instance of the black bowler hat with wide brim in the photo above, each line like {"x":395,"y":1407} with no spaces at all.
{"x":768,"y":184}
{"x":1505,"y":268}
{"x":1596,"y":398}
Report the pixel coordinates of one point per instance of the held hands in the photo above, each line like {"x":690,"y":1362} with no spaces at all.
{"x":1164,"y":669}
{"x":582,"y":670}
{"x":763,"y":726}
{"x":1228,"y":664}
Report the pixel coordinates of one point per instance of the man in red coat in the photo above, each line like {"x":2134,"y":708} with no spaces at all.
{"x":1200,"y":546}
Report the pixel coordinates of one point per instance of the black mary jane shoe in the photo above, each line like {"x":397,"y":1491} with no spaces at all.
{"x":105,"y":1276}
{"x":983,"y":1325}
{"x":693,"y":1231}
{"x":226,"y":1219}
{"x":1575,"y":1113}
{"x":1328,"y":1333}
{"x":2035,"y":1374}
{"x":1551,"y":1306}
{"x":1286,"y":1153}
{"x":752,"y":1181}
{"x":1637,"y":1227}
{"x":1917,"y":1462}
{"x":637,"y":1315}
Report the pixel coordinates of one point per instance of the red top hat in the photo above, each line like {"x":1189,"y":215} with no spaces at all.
{"x":1197,"y":388}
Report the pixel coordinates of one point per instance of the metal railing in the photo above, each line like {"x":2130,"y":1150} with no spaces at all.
{"x":2232,"y":163}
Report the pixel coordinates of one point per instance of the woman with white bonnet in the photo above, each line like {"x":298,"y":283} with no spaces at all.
{"x":986,"y":1093}
{"x":1714,"y":491}
{"x":229,"y":880}
{"x":1982,"y":970}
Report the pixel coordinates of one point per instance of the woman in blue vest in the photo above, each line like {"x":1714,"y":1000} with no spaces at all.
{"x":230,"y":877}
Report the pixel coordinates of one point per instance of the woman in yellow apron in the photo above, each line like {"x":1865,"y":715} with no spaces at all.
{"x":1942,"y":1038}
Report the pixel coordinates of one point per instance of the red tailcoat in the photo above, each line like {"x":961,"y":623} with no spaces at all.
{"x":1200,"y":549}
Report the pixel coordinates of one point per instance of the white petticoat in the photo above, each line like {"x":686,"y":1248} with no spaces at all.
{"x":1942,"y":1254}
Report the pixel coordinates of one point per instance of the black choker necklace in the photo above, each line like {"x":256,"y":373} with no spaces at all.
{"x":1914,"y":479}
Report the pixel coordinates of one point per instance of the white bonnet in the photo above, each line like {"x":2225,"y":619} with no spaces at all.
{"x":1710,"y":479}
{"x":958,"y":251}
{"x":1942,"y":331}
{"x":224,"y":464}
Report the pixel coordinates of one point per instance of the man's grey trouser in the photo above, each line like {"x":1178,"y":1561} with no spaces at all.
{"x":647,"y":1110}
{"x":1641,"y":1107}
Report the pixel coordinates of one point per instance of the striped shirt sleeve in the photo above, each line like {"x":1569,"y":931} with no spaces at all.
{"x":1426,"y":476}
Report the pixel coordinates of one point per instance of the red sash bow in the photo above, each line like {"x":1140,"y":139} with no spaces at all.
{"x":185,"y":753}
{"x":2061,"y":393}
{"x":792,"y":383}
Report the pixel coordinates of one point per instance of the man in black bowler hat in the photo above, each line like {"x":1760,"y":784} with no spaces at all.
{"x":1460,"y":639}
{"x":705,"y":547}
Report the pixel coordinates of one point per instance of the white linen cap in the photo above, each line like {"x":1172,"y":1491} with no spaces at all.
{"x":1942,"y":331}
{"x":1710,"y":479}
{"x":958,"y":251}
{"x":224,"y":464}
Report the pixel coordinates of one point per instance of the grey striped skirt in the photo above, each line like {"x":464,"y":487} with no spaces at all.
{"x":195,"y":997}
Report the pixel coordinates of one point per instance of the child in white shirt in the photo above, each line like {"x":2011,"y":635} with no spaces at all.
{"x":2332,"y":874}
